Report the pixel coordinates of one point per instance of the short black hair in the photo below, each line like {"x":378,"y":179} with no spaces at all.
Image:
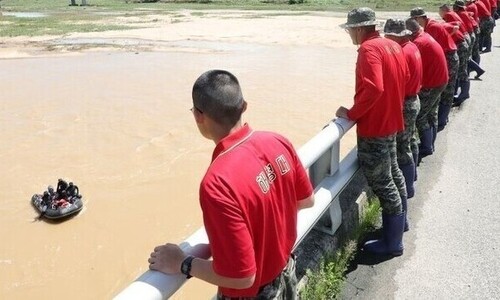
{"x":412,"y":25}
{"x":445,"y":7}
{"x":217,"y":94}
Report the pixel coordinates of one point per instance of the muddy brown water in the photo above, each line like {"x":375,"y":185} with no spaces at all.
{"x":118,"y":125}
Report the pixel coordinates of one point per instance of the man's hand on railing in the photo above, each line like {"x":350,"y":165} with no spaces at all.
{"x":167,"y":259}
{"x":342,"y":112}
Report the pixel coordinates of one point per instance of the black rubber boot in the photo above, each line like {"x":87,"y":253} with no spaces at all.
{"x":409,"y":174}
{"x":404,"y":204}
{"x":391,"y":242}
{"x":464,"y":93}
{"x":425,"y":147}
{"x":474,"y":66}
{"x":443,"y":112}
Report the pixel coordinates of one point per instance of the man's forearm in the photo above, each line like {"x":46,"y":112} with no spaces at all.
{"x":202,"y":269}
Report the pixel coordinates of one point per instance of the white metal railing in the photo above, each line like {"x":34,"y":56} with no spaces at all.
{"x":329,"y":177}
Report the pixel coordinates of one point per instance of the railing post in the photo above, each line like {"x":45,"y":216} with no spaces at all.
{"x":328,"y":165}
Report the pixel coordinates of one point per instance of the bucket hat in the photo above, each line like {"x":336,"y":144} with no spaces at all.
{"x":358,"y":17}
{"x":417,"y":12}
{"x":459,"y":3}
{"x":396,"y":27}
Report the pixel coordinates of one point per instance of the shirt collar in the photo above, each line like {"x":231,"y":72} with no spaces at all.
{"x":371,"y":36}
{"x":231,"y":141}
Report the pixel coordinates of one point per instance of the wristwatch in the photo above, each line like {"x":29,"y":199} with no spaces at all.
{"x":186,"y":266}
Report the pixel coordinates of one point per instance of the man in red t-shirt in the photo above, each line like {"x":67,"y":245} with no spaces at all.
{"x":471,"y":8}
{"x":407,"y":145}
{"x":249,"y":196}
{"x":438,"y":31}
{"x":381,"y":77}
{"x":434,"y":80}
{"x":470,"y":26}
{"x":486,"y":24}
{"x":458,"y":30}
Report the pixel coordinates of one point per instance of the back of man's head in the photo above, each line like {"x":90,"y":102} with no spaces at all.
{"x":413,"y":26}
{"x":217,"y":94}
{"x":445,"y":8}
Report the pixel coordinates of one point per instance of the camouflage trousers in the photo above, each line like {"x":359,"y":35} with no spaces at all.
{"x":470,"y":44}
{"x":448,"y":93}
{"x":408,"y":138}
{"x":378,"y":161}
{"x":284,"y":287}
{"x":486,"y":25}
{"x":475,"y":46}
{"x":463,"y":58}
{"x":429,"y":102}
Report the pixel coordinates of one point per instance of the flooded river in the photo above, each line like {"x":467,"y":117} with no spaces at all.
{"x":118,"y":125}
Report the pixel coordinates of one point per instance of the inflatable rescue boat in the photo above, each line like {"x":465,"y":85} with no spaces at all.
{"x":60,"y":203}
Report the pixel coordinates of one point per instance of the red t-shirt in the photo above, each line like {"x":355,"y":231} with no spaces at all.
{"x":453,"y":18}
{"x":493,"y":4}
{"x":381,"y":76}
{"x":249,"y":201}
{"x":482,"y":10}
{"x":467,"y":20}
{"x":472,"y":7}
{"x":456,"y":35}
{"x":434,"y":65}
{"x":487,"y":4}
{"x":414,"y":61}
{"x":439,"y":33}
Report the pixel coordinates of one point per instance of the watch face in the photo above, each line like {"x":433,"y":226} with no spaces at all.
{"x":186,"y":266}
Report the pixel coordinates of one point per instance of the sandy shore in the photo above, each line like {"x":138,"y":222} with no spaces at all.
{"x":164,"y":33}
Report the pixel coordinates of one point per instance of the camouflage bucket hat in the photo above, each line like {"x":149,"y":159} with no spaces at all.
{"x":359,"y":17}
{"x":396,"y":27}
{"x":459,"y":3}
{"x":417,"y":12}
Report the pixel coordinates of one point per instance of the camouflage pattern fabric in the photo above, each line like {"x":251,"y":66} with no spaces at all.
{"x":378,"y":161}
{"x":284,"y":287}
{"x":470,"y":39}
{"x":409,"y":135}
{"x":472,"y":45}
{"x":486,"y":25}
{"x":449,"y":92}
{"x":429,"y":102}
{"x":463,"y":58}
{"x":475,"y":46}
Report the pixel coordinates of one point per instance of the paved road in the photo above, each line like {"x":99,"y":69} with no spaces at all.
{"x":453,"y":248}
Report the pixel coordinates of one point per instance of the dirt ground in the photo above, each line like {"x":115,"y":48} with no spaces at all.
{"x":179,"y":31}
{"x":164,"y":32}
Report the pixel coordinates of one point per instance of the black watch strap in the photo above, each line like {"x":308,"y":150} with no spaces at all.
{"x":186,"y":266}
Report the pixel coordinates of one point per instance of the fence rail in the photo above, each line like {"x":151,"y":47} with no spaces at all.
{"x":329,"y":175}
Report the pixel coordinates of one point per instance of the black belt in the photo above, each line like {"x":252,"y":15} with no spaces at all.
{"x":274,"y":283}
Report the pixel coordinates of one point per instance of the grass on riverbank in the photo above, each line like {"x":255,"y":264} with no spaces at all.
{"x":328,"y":280}
{"x":342,"y":5}
{"x":61,"y":18}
